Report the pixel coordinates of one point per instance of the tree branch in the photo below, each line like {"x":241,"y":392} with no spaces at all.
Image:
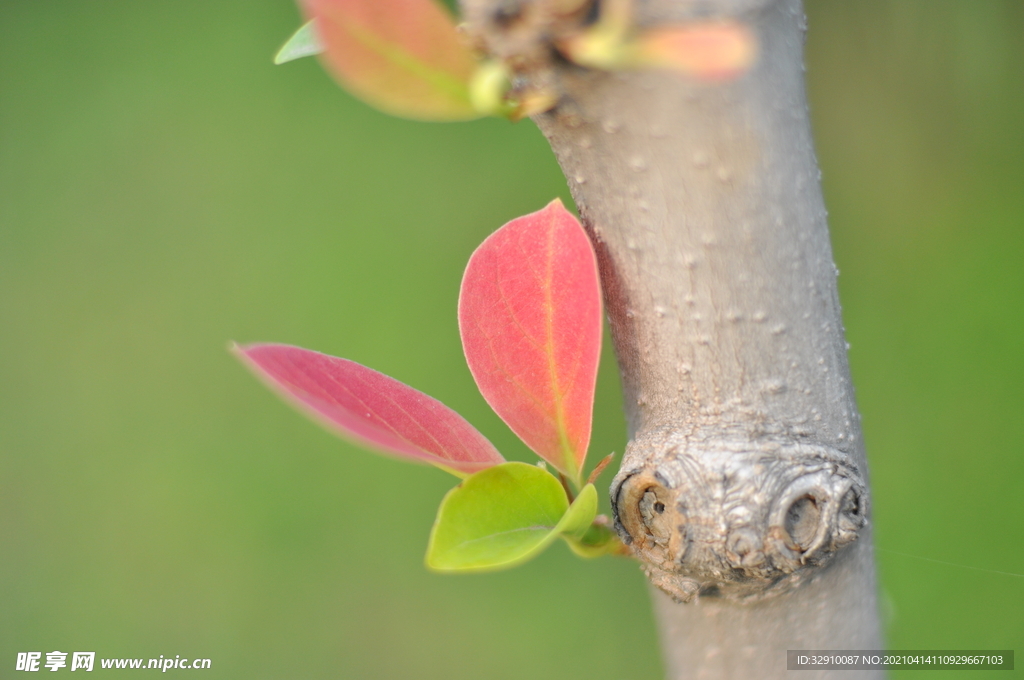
{"x":744,"y":485}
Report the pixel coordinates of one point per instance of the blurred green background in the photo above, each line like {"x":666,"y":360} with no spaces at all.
{"x":164,"y":189}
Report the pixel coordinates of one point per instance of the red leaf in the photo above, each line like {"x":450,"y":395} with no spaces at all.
{"x":405,"y":57}
{"x":371,"y":408}
{"x":530,"y":317}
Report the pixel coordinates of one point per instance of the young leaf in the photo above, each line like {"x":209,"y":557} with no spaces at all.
{"x":502,"y":517}
{"x":530,"y":318}
{"x":597,"y":541}
{"x":371,"y":408}
{"x":709,"y":51}
{"x":705,"y":50}
{"x":577,"y":520}
{"x":304,"y":43}
{"x":404,"y":57}
{"x":602,"y":45}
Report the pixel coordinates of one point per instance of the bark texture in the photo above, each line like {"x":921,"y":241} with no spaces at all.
{"x":743,"y":489}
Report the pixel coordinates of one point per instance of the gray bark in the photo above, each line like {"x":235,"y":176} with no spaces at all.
{"x":743,"y":489}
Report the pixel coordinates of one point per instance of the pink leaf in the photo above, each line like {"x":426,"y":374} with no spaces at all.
{"x":371,"y":408}
{"x":403,"y":56}
{"x":709,"y":51}
{"x":530,"y":317}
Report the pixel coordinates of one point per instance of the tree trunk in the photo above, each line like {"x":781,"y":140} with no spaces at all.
{"x":743,"y":489}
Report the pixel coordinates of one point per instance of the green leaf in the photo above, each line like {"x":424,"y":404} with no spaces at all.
{"x":504,"y":516}
{"x":304,"y":43}
{"x":581,"y":514}
{"x":598,"y":540}
{"x":577,"y":527}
